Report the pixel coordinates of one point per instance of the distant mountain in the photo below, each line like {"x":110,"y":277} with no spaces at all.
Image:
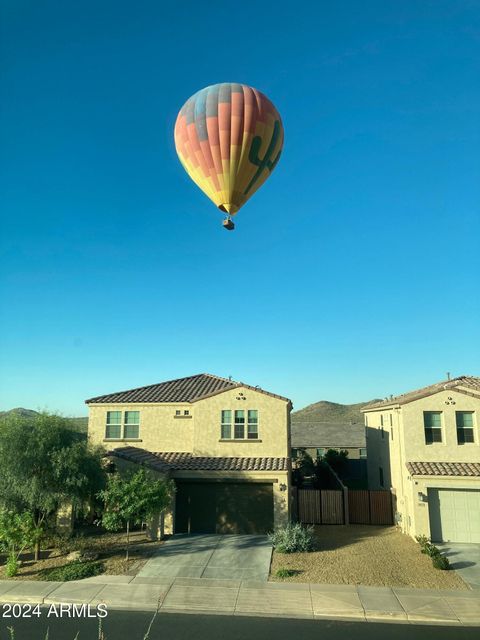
{"x":325,"y":411}
{"x":77,"y":424}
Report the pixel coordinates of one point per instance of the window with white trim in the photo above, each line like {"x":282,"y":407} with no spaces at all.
{"x":122,"y":425}
{"x":464,"y":421}
{"x":432,"y":422}
{"x":239,"y":424}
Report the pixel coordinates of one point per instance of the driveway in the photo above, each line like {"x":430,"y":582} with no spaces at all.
{"x":465,"y":559}
{"x":211,"y":556}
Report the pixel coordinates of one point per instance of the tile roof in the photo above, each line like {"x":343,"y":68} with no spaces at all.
{"x":187,"y":389}
{"x":444,"y":468}
{"x":176,"y":461}
{"x":333,"y":435}
{"x":462,"y":382}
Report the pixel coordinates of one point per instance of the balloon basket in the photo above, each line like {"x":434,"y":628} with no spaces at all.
{"x":228,"y":224}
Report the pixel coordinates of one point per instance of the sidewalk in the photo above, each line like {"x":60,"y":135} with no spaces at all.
{"x":235,"y":597}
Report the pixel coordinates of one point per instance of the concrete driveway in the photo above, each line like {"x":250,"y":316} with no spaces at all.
{"x":228,"y":557}
{"x":465,"y":559}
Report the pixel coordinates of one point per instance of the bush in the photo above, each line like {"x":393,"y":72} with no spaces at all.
{"x":11,"y":568}
{"x":292,"y":539}
{"x":423,"y":541}
{"x":431,"y":550}
{"x":73,"y":571}
{"x":441,"y":562}
{"x":285,"y":573}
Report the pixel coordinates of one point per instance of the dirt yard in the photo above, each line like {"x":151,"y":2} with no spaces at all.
{"x":109,"y":546}
{"x":368,"y":555}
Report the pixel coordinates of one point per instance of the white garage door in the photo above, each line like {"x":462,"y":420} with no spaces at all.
{"x":454,"y":515}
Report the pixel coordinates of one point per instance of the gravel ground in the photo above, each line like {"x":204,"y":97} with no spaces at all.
{"x":368,"y":555}
{"x":109,"y":546}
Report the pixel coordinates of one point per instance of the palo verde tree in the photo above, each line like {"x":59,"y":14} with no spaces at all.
{"x":133,"y":498}
{"x":43,"y":465}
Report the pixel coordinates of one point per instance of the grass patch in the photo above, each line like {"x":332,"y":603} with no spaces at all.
{"x":73,"y":571}
{"x":286,"y":573}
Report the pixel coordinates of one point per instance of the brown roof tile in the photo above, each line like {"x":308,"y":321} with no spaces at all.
{"x":457,"y":469}
{"x":188,"y":389}
{"x":466,"y":382}
{"x":176,"y":461}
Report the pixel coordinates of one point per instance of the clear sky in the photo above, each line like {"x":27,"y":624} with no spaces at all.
{"x":353,"y":273}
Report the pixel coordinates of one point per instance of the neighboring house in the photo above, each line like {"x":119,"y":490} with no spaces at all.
{"x":224,"y":443}
{"x":425,"y":445}
{"x":316,"y":438}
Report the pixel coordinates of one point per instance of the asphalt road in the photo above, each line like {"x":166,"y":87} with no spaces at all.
{"x":133,"y":626}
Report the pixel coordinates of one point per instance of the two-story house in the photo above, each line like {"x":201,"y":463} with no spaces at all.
{"x":425,"y":446}
{"x":225,"y":444}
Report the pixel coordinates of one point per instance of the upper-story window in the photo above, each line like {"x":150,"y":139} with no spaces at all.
{"x":244,"y":423}
{"x":321,"y":452}
{"x":363,"y":453}
{"x":464,"y":426}
{"x":381,"y":419}
{"x":122,"y":425}
{"x":432,"y":422}
{"x":391,"y":419}
{"x":366,"y":420}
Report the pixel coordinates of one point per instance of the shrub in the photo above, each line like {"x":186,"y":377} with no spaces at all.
{"x":73,"y":571}
{"x":441,"y":562}
{"x":11,"y":568}
{"x":431,"y":550}
{"x":423,"y":541}
{"x":293,"y":538}
{"x":285,"y":573}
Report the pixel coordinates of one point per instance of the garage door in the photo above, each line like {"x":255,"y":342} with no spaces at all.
{"x":454,"y":515}
{"x":219,"y":507}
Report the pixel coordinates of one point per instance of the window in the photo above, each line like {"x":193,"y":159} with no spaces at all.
{"x":114,"y":424}
{"x":381,"y":419}
{"x":363,"y":453}
{"x":239,"y":427}
{"x":252,"y":424}
{"x":127,"y":428}
{"x":380,"y":473}
{"x":226,"y":425}
{"x":321,"y":452}
{"x":186,"y":412}
{"x":382,"y":432}
{"x":391,"y":419}
{"x":178,"y":412}
{"x":294,"y":454}
{"x":366,"y":420}
{"x":432,"y":421}
{"x":132,"y":424}
{"x":391,"y":433}
{"x":464,"y":427}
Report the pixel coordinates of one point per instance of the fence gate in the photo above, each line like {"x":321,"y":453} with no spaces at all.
{"x":320,"y":506}
{"x":370,"y":507}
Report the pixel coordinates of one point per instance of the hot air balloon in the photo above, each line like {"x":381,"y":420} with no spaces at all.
{"x":229,"y":138}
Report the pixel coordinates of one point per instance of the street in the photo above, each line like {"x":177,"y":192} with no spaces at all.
{"x":134,"y":625}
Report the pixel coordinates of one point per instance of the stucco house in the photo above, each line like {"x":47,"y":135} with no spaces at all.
{"x":225,"y":444}
{"x":425,"y":446}
{"x":316,"y":438}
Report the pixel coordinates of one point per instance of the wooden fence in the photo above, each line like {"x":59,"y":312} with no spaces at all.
{"x":322,"y":506}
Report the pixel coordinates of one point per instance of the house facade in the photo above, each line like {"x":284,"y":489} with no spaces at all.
{"x":425,"y":446}
{"x":225,"y":444}
{"x":316,"y":438}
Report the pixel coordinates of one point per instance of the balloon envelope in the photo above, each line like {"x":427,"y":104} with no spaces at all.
{"x":229,"y":138}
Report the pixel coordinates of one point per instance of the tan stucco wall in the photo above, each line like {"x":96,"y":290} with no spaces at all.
{"x":408,"y":445}
{"x":200,"y":434}
{"x":159,"y":430}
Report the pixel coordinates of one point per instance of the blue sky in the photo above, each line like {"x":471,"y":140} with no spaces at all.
{"x":353,"y":273}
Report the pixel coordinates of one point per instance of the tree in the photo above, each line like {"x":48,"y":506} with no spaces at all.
{"x":133,"y":498}
{"x":44,"y":464}
{"x":337,"y":460}
{"x":17,"y":533}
